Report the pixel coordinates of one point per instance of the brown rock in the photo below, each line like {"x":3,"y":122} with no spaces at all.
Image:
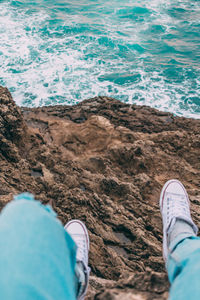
{"x":104,"y":162}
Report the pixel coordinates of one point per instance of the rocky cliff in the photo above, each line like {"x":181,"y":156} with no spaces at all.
{"x":104,"y":162}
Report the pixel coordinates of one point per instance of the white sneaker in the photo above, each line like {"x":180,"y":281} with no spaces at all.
{"x":78,"y":231}
{"x":174,"y":204}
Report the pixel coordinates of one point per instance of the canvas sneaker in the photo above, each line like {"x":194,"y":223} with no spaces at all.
{"x":78,"y":231}
{"x":174,"y":204}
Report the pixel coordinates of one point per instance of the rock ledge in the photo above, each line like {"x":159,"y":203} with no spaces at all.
{"x":104,"y":162}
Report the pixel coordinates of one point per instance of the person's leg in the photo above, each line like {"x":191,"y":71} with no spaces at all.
{"x":183,"y":268}
{"x":181,"y":247}
{"x":37,"y":255}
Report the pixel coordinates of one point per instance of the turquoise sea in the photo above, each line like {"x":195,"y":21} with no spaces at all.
{"x":62,"y":52}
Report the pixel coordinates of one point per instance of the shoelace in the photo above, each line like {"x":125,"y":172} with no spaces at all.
{"x":81,"y":247}
{"x":177,"y":207}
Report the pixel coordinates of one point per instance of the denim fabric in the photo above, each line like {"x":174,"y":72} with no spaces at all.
{"x":183,"y":268}
{"x":37,"y":256}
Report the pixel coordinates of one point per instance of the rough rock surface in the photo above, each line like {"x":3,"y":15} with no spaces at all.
{"x":104,"y":162}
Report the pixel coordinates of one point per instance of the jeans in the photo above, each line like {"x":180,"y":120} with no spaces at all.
{"x":183,"y":268}
{"x":37,"y":256}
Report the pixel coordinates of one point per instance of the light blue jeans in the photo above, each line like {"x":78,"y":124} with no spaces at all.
{"x":37,"y":256}
{"x":183,"y":268}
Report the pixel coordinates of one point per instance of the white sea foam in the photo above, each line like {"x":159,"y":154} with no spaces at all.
{"x":44,"y":67}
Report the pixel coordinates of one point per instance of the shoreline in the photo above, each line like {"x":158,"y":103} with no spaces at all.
{"x":111,"y":98}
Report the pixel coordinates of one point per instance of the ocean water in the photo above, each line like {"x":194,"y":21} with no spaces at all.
{"x":62,"y":52}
